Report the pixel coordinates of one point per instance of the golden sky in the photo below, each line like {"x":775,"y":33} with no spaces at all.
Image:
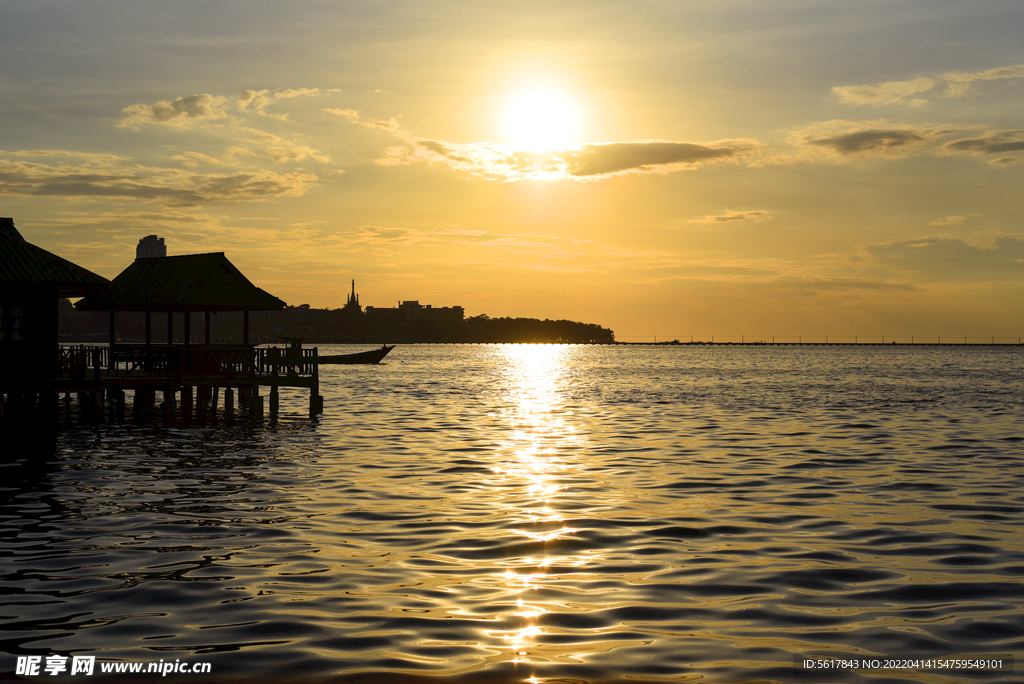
{"x":669,"y":168}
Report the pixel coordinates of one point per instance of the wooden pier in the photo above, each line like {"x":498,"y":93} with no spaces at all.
{"x":35,"y":371}
{"x":190,"y":380}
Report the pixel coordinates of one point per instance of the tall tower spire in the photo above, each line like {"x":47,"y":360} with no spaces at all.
{"x":353,"y":299}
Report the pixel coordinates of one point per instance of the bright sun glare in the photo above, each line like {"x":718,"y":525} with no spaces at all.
{"x":541,"y":120}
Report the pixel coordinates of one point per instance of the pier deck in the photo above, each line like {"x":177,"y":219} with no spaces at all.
{"x":174,"y":370}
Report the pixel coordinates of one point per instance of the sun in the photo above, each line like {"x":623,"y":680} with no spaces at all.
{"x":540,"y":121}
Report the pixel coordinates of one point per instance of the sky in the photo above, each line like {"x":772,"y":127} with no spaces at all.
{"x":661,"y":168}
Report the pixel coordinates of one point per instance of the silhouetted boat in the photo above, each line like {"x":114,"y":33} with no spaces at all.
{"x":372,"y":356}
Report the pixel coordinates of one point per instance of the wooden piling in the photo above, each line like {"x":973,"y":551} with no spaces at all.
{"x":117,"y":396}
{"x":139,"y":407}
{"x":256,"y":407}
{"x":275,"y":401}
{"x":186,"y":401}
{"x":49,"y":405}
{"x":316,"y":402}
{"x":86,"y":410}
{"x":202,"y":401}
{"x":168,"y":402}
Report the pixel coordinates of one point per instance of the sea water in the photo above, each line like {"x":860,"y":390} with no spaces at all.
{"x":543,"y":513}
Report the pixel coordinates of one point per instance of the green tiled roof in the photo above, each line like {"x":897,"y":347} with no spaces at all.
{"x":192,"y":282}
{"x":25,"y":266}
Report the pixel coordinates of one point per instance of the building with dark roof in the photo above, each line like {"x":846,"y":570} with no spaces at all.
{"x":32,"y":281}
{"x":188,"y":283}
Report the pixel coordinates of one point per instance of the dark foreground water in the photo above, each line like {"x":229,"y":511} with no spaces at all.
{"x":542,"y":514}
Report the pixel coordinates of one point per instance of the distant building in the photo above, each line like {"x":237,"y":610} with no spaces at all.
{"x":151,"y":247}
{"x":409,"y":311}
{"x":352,"y":307}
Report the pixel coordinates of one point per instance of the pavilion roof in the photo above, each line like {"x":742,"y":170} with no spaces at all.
{"x":24,"y":266}
{"x":191,"y":282}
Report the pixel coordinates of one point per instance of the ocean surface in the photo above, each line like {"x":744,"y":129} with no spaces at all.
{"x":542,"y":513}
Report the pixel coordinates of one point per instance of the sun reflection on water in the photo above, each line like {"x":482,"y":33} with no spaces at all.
{"x":539,"y":457}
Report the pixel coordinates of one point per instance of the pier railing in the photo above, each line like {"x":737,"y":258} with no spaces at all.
{"x":288,"y":361}
{"x":81,"y":362}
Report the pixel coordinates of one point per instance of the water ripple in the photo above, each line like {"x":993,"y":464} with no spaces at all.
{"x":540,"y":514}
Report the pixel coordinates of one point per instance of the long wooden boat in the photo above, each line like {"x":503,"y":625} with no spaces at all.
{"x":372,"y":356}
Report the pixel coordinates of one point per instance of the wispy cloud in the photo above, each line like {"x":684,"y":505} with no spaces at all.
{"x":259,"y":100}
{"x":900,"y":92}
{"x":733,"y":216}
{"x":273,"y":147}
{"x":454,"y":235}
{"x":91,"y":158}
{"x":391,"y":125}
{"x":238,"y":172}
{"x":170,"y":186}
{"x":990,"y":142}
{"x":951,"y":220}
{"x":957,"y":84}
{"x":942,"y":258}
{"x":181,"y":112}
{"x":858,"y":139}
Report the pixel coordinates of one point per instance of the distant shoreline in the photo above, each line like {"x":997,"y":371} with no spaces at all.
{"x":896,"y":343}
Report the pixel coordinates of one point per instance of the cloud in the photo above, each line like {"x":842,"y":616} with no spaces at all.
{"x":951,"y":220}
{"x":180,"y":112}
{"x":94,"y":159}
{"x":886,"y":93}
{"x":184,"y":111}
{"x":587,"y":162}
{"x":649,"y":157}
{"x":168,"y":186}
{"x":958,"y":84}
{"x":942,"y":258}
{"x":193,"y":159}
{"x":261,"y":99}
{"x":845,"y":140}
{"x":445,"y":235}
{"x":391,"y":125}
{"x":595,"y":161}
{"x":275,"y":147}
{"x":857,"y":139}
{"x":839,"y":283}
{"x":731,"y":216}
{"x":991,"y":142}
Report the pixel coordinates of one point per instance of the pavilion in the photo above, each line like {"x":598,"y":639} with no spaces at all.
{"x":187,"y":284}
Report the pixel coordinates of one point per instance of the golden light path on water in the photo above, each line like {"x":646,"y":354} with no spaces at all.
{"x":541,"y":448}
